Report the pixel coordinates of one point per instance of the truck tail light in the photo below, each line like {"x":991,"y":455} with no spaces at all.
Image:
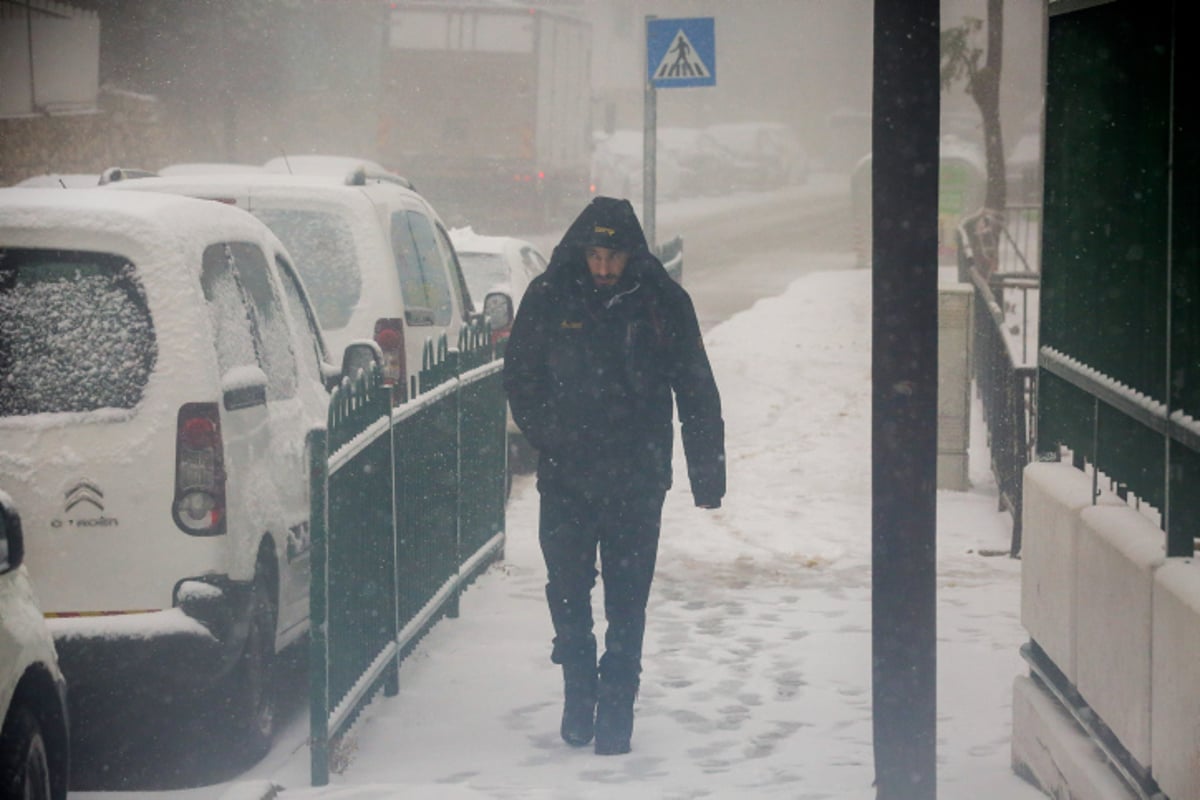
{"x":389,"y":335}
{"x":199,"y":505}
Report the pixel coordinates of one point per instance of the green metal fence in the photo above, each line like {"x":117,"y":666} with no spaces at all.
{"x":1119,"y":378}
{"x":407,"y":507}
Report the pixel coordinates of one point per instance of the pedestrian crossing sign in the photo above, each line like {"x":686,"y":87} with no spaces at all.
{"x":681,"y":52}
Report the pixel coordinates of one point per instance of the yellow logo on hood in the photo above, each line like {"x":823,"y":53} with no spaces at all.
{"x":604,"y":230}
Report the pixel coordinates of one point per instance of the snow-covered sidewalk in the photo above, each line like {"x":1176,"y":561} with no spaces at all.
{"x":758,"y":662}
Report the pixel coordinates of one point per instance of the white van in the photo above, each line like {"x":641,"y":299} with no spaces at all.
{"x":374,"y":255}
{"x":161,"y":370}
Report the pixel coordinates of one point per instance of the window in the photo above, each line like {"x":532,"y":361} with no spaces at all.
{"x":302,"y":318}
{"x":75,"y":332}
{"x":458,"y":284}
{"x":323,"y":247}
{"x":422,"y":268}
{"x":246,"y":313}
{"x":483,"y":271}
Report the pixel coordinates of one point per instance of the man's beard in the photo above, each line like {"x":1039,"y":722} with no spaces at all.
{"x":605,"y":291}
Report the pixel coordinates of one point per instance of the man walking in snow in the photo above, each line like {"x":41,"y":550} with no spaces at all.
{"x":602,"y":340}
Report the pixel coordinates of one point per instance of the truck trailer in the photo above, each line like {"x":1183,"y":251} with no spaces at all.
{"x":487,"y":110}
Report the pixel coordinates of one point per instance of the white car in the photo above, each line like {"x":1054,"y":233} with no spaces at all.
{"x":374,"y":255}
{"x":752,"y":155}
{"x":498,"y":270}
{"x":617,"y":169}
{"x":163,"y":370}
{"x":34,"y":734}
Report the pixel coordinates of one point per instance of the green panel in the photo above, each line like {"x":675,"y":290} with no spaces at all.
{"x":1106,"y":220}
{"x":1184,"y":525}
{"x":1185,"y":245}
{"x":361,"y":609}
{"x":1133,"y":455}
{"x":484,"y":461}
{"x":426,"y":503}
{"x":1065,"y":416}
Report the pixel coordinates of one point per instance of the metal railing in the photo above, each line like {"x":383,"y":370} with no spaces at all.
{"x":994,"y":257}
{"x":407,"y":508}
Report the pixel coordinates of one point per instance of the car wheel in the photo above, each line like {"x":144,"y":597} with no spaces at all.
{"x":252,"y":695}
{"x":24,"y":763}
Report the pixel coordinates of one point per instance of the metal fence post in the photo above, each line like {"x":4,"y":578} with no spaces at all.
{"x":318,"y":662}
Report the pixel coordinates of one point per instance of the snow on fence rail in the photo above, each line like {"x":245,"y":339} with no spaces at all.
{"x":407,"y":508}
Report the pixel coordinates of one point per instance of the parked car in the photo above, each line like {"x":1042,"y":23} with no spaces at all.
{"x":498,"y":269}
{"x":617,"y":167}
{"x":163,"y":368}
{"x":34,"y":733}
{"x":751,"y":155}
{"x":680,"y":144}
{"x":374,"y":255}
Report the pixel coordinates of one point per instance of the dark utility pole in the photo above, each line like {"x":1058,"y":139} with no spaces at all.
{"x":904,"y":132}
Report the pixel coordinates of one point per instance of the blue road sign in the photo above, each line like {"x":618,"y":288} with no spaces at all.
{"x":681,"y":52}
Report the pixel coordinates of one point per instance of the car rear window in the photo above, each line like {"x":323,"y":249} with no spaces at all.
{"x":322,"y":247}
{"x":483,"y":271}
{"x":75,"y":332}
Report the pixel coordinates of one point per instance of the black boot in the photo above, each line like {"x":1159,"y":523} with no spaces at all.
{"x":614,"y":716}
{"x":579,"y":703}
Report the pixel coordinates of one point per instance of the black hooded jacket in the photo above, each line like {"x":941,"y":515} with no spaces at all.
{"x":590,"y":372}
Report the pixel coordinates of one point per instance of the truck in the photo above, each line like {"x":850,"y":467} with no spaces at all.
{"x":487,"y":109}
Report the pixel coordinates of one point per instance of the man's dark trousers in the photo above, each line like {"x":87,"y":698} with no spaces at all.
{"x":625,"y":529}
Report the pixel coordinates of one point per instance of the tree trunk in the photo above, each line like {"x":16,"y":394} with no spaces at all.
{"x":985,"y":90}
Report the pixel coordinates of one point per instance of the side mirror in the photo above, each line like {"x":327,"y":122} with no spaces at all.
{"x":331,"y":375}
{"x":12,"y":543}
{"x":361,"y":356}
{"x":498,"y":311}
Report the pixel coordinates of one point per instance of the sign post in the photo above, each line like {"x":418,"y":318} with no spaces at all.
{"x":680,"y":53}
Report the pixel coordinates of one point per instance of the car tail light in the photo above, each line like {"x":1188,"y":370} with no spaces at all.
{"x":199,"y":506}
{"x":389,"y":335}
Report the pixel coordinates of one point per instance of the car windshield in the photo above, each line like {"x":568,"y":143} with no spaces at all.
{"x":75,"y":332}
{"x":483,"y":271}
{"x":322,"y":247}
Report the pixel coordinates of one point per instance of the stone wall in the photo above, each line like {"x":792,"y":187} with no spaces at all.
{"x":127,"y":130}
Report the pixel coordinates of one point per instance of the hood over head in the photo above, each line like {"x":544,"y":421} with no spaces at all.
{"x":606,"y":222}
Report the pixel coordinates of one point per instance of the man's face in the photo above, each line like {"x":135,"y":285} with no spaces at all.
{"x":606,"y":265}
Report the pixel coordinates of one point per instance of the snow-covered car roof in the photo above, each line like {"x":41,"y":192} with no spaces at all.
{"x":66,"y":180}
{"x":744,"y":137}
{"x":208,"y":168}
{"x":103,"y":212}
{"x":237,"y":184}
{"x":466,"y":240}
{"x":338,"y":166}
